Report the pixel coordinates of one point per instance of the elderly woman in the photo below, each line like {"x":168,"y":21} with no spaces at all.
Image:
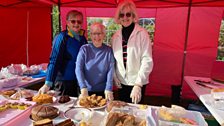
{"x":95,"y":65}
{"x":133,"y":54}
{"x":65,"y":49}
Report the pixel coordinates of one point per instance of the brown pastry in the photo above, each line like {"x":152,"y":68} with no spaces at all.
{"x":43,"y":98}
{"x":44,"y":111}
{"x":64,"y":99}
{"x":43,"y":122}
{"x":67,"y":122}
{"x":115,"y":103}
{"x":8,"y":93}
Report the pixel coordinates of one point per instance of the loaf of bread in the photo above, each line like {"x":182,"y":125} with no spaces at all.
{"x":44,"y":111}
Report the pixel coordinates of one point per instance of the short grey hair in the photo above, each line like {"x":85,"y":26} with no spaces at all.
{"x":98,"y":24}
{"x":73,"y":13}
{"x":126,"y":4}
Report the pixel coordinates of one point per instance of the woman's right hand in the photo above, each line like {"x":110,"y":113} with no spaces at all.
{"x":84,"y":93}
{"x":44,"y":89}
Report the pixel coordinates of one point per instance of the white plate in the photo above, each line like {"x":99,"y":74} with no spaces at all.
{"x":78,"y":114}
{"x":95,"y":108}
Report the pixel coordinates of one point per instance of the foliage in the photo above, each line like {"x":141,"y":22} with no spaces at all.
{"x":55,"y":20}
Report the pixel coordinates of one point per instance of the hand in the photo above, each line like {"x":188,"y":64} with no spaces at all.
{"x":44,"y":89}
{"x":117,"y":83}
{"x":136,"y":94}
{"x":109,"y":95}
{"x":84,"y":93}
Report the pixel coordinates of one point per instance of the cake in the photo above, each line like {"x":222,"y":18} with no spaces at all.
{"x":43,"y":98}
{"x":43,"y":122}
{"x":44,"y":111}
{"x":67,"y":122}
{"x":64,"y":99}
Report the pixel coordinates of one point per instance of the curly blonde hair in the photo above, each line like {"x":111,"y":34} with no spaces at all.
{"x":126,"y":4}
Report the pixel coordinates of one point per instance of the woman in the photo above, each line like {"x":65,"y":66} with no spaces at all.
{"x":133,"y":54}
{"x":66,"y":46}
{"x":95,"y":65}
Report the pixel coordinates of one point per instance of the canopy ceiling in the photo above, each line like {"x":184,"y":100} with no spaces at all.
{"x":109,"y":3}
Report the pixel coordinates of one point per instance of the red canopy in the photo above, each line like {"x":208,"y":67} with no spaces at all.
{"x":185,"y":40}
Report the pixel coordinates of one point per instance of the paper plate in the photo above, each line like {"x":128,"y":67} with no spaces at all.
{"x":78,"y":114}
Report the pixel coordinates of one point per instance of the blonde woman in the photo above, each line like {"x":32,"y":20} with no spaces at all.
{"x":133,"y":54}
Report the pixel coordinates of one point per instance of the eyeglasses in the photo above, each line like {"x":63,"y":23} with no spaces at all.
{"x":97,"y":34}
{"x":76,"y":21}
{"x":121,"y":15}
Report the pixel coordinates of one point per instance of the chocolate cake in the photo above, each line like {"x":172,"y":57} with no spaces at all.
{"x":44,"y":111}
{"x":64,"y":99}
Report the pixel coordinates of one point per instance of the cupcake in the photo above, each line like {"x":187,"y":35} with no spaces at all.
{"x":14,"y":105}
{"x":21,"y":106}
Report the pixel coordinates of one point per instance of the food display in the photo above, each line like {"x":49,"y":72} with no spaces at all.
{"x":64,"y":99}
{"x":44,"y":111}
{"x":92,"y":101}
{"x":117,"y":104}
{"x":43,"y":98}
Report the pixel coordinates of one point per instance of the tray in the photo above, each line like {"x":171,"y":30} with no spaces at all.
{"x":10,"y":115}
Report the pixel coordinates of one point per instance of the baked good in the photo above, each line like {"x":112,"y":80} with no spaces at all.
{"x":67,"y":122}
{"x":8,"y":93}
{"x":120,"y":119}
{"x":64,"y":99}
{"x":22,"y":94}
{"x":44,"y":111}
{"x":43,"y":122}
{"x":92,"y":101}
{"x":115,"y":103}
{"x":217,"y":90}
{"x":43,"y":98}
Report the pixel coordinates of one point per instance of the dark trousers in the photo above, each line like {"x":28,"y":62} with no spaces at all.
{"x":70,"y":88}
{"x":125,"y":92}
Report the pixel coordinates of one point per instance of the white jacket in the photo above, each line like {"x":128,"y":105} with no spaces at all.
{"x":139,"y":57}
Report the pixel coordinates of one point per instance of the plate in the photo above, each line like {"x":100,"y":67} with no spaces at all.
{"x":95,"y":108}
{"x":78,"y":114}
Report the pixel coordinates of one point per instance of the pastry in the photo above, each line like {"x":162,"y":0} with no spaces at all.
{"x":8,"y":93}
{"x":43,"y":122}
{"x":43,"y":98}
{"x":115,"y":103}
{"x":64,"y":99}
{"x":44,"y":111}
{"x":67,"y":122}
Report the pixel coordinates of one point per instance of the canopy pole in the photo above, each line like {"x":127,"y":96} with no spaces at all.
{"x":27,"y":38}
{"x":186,"y":42}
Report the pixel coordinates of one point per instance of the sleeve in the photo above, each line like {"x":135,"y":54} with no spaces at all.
{"x":110,"y":73}
{"x":56,"y":59}
{"x":79,"y":70}
{"x":146,"y":59}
